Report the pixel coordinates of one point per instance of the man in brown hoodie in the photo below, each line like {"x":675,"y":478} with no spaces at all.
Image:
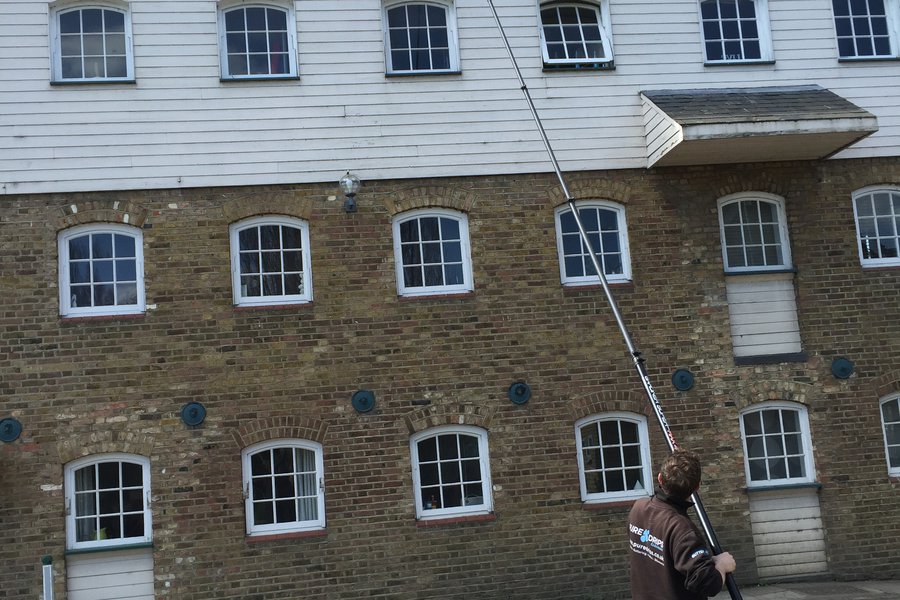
{"x":668,"y":555}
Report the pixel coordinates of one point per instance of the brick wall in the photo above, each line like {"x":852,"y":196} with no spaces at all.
{"x":82,"y":386}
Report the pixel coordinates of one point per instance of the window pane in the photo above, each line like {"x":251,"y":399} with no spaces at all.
{"x":452,"y":496}
{"x":263,"y":513}
{"x":412,"y":277}
{"x":447,"y":447}
{"x":79,"y":272}
{"x":101,"y":245}
{"x":92,"y":20}
{"x":85,"y":479}
{"x":771,"y":421}
{"x":103,"y":270}
{"x":133,"y":525}
{"x":471,"y":470}
{"x":777,"y":468}
{"x":609,"y":432}
{"x":758,"y":470}
{"x":428,"y":473}
{"x":261,"y":463}
{"x":450,"y":472}
{"x":70,"y":22}
{"x":277,"y":19}
{"x":612,"y":458}
{"x":632,"y":456}
{"x":468,"y":446}
{"x":108,"y":475}
{"x":110,"y":528}
{"x":434,"y":276}
{"x":262,"y":488}
{"x":256,"y":19}
{"x":132,"y":500}
{"x":890,"y":411}
{"x":615,"y":481}
{"x":109,"y":502}
{"x":427,"y":449}
{"x":271,"y":262}
{"x":416,"y":15}
{"x":791,"y":420}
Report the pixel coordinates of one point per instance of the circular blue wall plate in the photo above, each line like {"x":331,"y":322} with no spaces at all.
{"x":193,"y":413}
{"x":683,"y":380}
{"x":363,"y":401}
{"x":519,"y":392}
{"x":10,"y":429}
{"x":841,"y":368}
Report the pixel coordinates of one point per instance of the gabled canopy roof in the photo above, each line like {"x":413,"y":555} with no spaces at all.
{"x":714,"y":126}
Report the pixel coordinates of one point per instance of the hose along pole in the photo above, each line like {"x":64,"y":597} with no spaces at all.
{"x":635,"y":354}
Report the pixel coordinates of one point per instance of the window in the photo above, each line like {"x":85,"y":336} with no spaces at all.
{"x":101,"y":270}
{"x":866,"y":28}
{"x":107,"y":501}
{"x":284,"y":487}
{"x":431,"y":249}
{"x":890,"y":420}
{"x":257,"y":42}
{"x":420,"y":37}
{"x":777,"y":447}
{"x":613,"y":457}
{"x":735,"y":30}
{"x":604,"y":222}
{"x":877,"y":214}
{"x":270,"y":261}
{"x":91,"y":44}
{"x":451,"y":475}
{"x":754,"y":234}
{"x":575,"y":34}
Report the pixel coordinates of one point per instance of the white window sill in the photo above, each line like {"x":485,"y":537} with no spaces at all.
{"x":109,"y":548}
{"x":783,"y":486}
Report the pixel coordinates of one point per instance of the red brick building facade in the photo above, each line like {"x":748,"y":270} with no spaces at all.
{"x":85,"y":386}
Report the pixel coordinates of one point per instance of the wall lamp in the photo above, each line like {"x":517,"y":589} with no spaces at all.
{"x":349,"y":185}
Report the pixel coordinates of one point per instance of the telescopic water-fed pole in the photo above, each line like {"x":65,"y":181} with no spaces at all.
{"x":635,"y":354}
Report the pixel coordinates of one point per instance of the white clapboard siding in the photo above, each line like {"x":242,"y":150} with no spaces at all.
{"x":113,"y":575}
{"x":787,"y":533}
{"x":179,"y":125}
{"x":763,"y":313}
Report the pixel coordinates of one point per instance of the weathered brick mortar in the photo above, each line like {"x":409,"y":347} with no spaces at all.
{"x":118,"y":385}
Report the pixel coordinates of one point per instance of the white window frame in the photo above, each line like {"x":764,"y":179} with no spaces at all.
{"x":644,"y":445}
{"x":65,"y":297}
{"x":452,"y":37}
{"x":782,"y":230}
{"x":892,"y":21}
{"x":71,"y":503}
{"x":624,"y":252}
{"x":289,"y":526}
{"x":763,"y":32}
{"x":256,"y":222}
{"x":868,"y":193}
{"x":805,"y":442}
{"x":486,"y":507}
{"x":291,"y":25}
{"x":60,"y":8}
{"x":603,"y":20}
{"x":893,"y":469}
{"x":465,"y":250}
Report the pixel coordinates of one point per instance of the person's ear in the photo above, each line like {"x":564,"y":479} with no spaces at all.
{"x":659,"y":479}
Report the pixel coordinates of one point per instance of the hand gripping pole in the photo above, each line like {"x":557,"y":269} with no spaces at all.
{"x":635,"y":355}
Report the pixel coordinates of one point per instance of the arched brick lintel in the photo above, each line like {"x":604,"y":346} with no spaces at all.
{"x":429,"y":197}
{"x":82,"y":212}
{"x":101,"y":442}
{"x":609,"y":401}
{"x":449,"y":414}
{"x":273,"y":428}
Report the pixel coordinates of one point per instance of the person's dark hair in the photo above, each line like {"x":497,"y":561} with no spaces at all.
{"x":680,"y":474}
